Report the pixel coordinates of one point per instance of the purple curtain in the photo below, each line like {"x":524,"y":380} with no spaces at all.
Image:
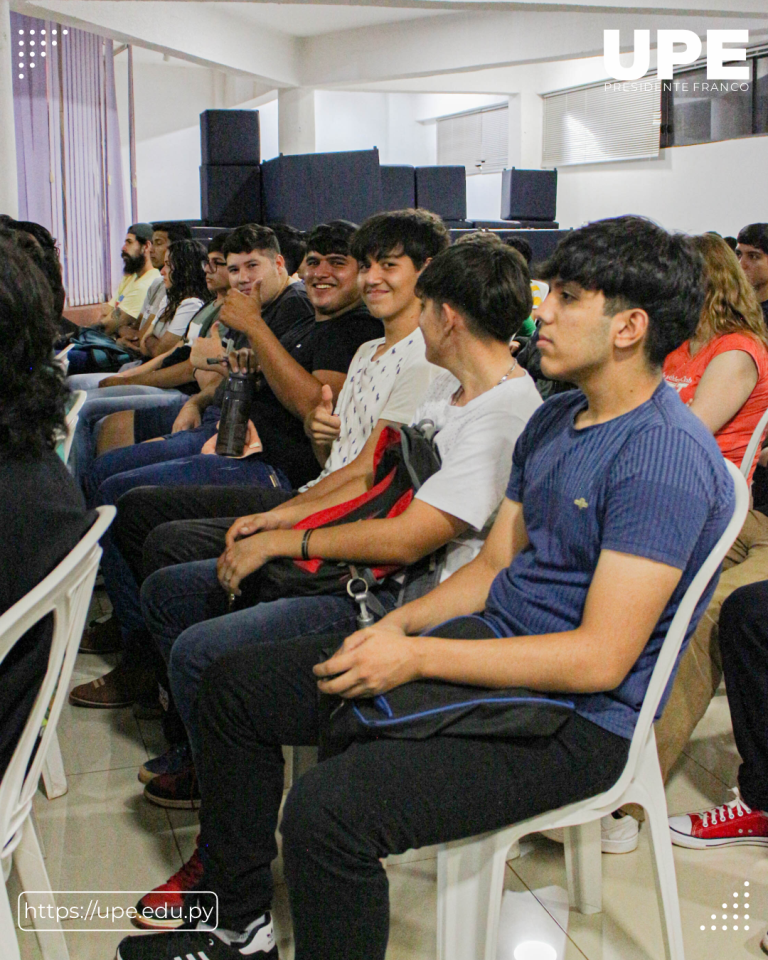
{"x":68,"y":150}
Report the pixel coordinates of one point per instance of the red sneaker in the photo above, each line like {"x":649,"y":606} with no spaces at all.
{"x":729,"y":825}
{"x":161,"y":908}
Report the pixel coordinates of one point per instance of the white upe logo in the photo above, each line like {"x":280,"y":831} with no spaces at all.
{"x":667,"y":57}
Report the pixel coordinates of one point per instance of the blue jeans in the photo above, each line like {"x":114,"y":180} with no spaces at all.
{"x":119,"y":581}
{"x":101,"y":403}
{"x":185,"y":610}
{"x":185,"y":443}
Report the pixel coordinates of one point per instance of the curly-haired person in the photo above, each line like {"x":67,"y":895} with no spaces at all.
{"x":42,"y":513}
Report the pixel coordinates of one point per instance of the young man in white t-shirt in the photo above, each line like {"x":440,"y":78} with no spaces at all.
{"x":475,"y":297}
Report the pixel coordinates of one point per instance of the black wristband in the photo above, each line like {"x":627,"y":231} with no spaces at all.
{"x":305,"y":543}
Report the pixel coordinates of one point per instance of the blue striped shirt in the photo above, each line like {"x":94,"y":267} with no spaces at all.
{"x":651,"y":483}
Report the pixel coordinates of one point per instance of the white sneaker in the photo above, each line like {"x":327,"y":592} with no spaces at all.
{"x":618,"y":833}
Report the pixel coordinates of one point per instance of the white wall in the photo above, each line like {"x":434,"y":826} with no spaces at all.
{"x":710,"y":186}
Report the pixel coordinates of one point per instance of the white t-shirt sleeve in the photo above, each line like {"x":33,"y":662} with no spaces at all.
{"x":411,"y":385}
{"x":184,"y":313}
{"x":475,"y":468}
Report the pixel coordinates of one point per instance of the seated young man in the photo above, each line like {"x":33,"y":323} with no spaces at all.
{"x":474,"y":300}
{"x":254,"y":261}
{"x":572,"y":592}
{"x":387,"y":380}
{"x":293,"y":372}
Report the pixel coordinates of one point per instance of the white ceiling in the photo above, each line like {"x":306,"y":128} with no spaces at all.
{"x":314,"y":19}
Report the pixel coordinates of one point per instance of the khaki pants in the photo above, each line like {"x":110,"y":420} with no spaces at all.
{"x":701,"y":670}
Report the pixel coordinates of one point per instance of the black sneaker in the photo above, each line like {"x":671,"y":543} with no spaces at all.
{"x":199,"y":943}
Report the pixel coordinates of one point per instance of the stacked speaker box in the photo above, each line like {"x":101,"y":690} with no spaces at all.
{"x":530,"y":197}
{"x":398,"y":187}
{"x":230,"y":175}
{"x":443,"y":190}
{"x":310,"y":188}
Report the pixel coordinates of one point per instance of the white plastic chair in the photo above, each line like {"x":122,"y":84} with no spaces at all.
{"x":66,"y":593}
{"x":470,"y":873}
{"x":71,"y":418}
{"x":754,"y":442}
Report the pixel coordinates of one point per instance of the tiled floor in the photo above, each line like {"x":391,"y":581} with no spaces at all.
{"x":103,"y":836}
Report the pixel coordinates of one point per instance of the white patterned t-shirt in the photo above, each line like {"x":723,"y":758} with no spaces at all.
{"x":390,"y":387}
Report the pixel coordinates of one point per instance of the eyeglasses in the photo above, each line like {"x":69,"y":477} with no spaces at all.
{"x":214,"y":265}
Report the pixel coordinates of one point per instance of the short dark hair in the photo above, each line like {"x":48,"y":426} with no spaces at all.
{"x":755,"y":235}
{"x":633,"y":262}
{"x":418,"y":234}
{"x":292,"y":243}
{"x":175,"y":229}
{"x":33,"y":393}
{"x":487,"y":283}
{"x":522,"y":246}
{"x":333,"y":237}
{"x":217,"y":241}
{"x":252,"y":236}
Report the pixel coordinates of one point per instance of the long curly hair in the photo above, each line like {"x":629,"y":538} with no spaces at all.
{"x":730,"y":301}
{"x":186,"y":259}
{"x":33,"y":393}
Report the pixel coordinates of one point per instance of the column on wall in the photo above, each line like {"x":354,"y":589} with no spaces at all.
{"x":526,"y":110}
{"x":9,"y":190}
{"x":296,"y":120}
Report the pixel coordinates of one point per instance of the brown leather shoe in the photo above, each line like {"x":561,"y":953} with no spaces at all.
{"x":102,"y":636}
{"x":119,"y":688}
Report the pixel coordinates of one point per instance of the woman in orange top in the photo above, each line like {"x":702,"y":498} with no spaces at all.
{"x":721,"y":373}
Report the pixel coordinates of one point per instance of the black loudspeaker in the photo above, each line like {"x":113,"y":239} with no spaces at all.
{"x":443,"y":190}
{"x":230,"y":195}
{"x":310,"y":188}
{"x":528,"y":194}
{"x":230,"y":137}
{"x":398,"y":187}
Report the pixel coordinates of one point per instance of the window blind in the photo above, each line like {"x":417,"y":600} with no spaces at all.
{"x":597,"y":125}
{"x":478,"y":141}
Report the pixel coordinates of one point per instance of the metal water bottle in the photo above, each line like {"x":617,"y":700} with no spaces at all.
{"x":235,"y":412}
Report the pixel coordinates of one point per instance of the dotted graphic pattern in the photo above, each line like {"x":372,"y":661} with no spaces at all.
{"x":34,"y":45}
{"x":739,"y":902}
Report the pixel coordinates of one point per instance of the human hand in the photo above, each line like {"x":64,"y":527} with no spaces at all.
{"x":239,"y":310}
{"x":256,"y":522}
{"x":188,"y":418}
{"x":242,"y":559}
{"x":252,"y":443}
{"x":116,"y":380}
{"x":321,"y":425}
{"x":243,"y":361}
{"x":205,"y":349}
{"x":369,"y":662}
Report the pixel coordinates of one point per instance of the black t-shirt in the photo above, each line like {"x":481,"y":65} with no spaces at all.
{"x":42,"y":516}
{"x":319,"y":345}
{"x":291,"y":309}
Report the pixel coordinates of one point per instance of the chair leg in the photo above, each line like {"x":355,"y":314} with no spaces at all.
{"x":54,"y":778}
{"x":664,"y":868}
{"x":583,"y":867}
{"x":470,"y":879}
{"x":8,"y":932}
{"x":30,"y":867}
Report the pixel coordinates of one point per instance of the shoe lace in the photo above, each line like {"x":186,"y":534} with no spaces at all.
{"x":189,"y":874}
{"x":728,"y":811}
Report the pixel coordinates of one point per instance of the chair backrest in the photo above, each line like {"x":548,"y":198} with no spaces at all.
{"x":754,"y":443}
{"x":66,"y":593}
{"x":71,"y":418}
{"x":679,"y":625}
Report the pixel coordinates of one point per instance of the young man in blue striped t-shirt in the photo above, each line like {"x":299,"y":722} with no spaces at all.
{"x":617,"y":495}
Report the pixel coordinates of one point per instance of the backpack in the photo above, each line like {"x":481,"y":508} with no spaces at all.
{"x":403,"y":460}
{"x":101,"y":353}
